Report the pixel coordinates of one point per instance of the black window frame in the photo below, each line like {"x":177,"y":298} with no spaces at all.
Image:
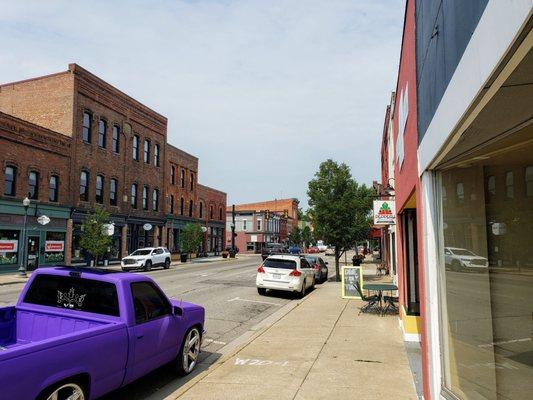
{"x":191,"y":208}
{"x":201,"y":210}
{"x":191,"y":185}
{"x":182,"y":205}
{"x":102,"y":134}
{"x":113,"y":191}
{"x":166,"y":312}
{"x":171,"y":204}
{"x":86,"y":130}
{"x":182,"y":178}
{"x":156,"y":155}
{"x":133,"y":196}
{"x":115,"y":146}
{"x":146,"y":151}
{"x":53,"y":191}
{"x":155,"y":200}
{"x":144,"y":198}
{"x":84,"y":195}
{"x":12,"y":183}
{"x":33,"y":189}
{"x":99,"y":189}
{"x":172,"y":174}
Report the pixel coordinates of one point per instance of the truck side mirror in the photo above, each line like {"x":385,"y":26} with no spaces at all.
{"x":178,"y":311}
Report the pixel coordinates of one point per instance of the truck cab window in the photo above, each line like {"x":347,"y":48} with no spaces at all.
{"x":148,"y":302}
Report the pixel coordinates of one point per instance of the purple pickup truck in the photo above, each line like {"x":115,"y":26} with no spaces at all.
{"x":81,"y":333}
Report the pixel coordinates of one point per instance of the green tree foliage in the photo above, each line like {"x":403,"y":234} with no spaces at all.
{"x":307,"y":236}
{"x":95,"y":239}
{"x":295,"y":237}
{"x":339,"y":207}
{"x":191,"y":238}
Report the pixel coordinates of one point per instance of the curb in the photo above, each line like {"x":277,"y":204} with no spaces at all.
{"x":12,"y":282}
{"x":232,"y":348}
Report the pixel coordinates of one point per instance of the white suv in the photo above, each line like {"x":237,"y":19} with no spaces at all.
{"x":285,"y":272}
{"x":147,"y":258}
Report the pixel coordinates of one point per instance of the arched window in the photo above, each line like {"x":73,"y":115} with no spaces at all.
{"x":171,"y":204}
{"x":182,"y":178}
{"x":10,"y":181}
{"x":220,"y":213}
{"x":113,"y":184}
{"x":460,"y":191}
{"x":145,"y":198}
{"x":84,"y":186}
{"x":211,"y":212}
{"x":172,"y":175}
{"x":87,"y":125}
{"x":146,"y":151}
{"x":33,"y":185}
{"x":192,"y":181}
{"x":102,"y":133}
{"x":99,"y":193}
{"x":116,"y":139}
{"x":155,"y":200}
{"x":191,"y":205}
{"x":201,"y":210}
{"x":182,"y":205}
{"x":135,"y":148}
{"x":134,"y":195}
{"x":156,"y":155}
{"x":53,"y":188}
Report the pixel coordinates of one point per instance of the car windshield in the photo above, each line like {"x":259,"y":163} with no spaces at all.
{"x":141,"y":253}
{"x":277,"y":263}
{"x":312,"y":260}
{"x":462,"y":252}
{"x":74,"y":293}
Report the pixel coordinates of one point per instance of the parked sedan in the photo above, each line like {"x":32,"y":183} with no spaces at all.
{"x":313,"y":250}
{"x":146,"y":258}
{"x":330,"y":251}
{"x":458,"y":259}
{"x":285,"y":272}
{"x":319,"y":266}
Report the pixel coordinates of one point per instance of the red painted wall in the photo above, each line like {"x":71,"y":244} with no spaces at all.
{"x":406,"y":177}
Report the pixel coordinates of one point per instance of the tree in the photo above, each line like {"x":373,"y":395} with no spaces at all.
{"x":95,"y":239}
{"x":191,"y":238}
{"x":307,"y":236}
{"x":295,"y":237}
{"x":339,"y":207}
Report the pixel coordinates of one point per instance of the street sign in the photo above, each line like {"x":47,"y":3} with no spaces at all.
{"x":384,"y":212}
{"x":349,"y":277}
{"x":43,"y":220}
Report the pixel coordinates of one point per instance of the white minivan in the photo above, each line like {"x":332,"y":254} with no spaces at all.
{"x":290,"y":273}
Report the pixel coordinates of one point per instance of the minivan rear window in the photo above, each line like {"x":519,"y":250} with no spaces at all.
{"x":74,"y":293}
{"x":277,"y":263}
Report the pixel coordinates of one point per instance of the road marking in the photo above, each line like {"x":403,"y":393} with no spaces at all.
{"x":214,"y":341}
{"x":258,"y":362}
{"x":256,"y":301}
{"x":504,"y":342}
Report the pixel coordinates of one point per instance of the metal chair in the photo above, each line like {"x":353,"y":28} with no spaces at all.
{"x":391,"y":302}
{"x":371,"y":301}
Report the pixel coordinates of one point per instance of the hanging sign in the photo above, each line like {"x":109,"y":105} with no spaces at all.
{"x":54,"y":246}
{"x":384,"y":212}
{"x":351,"y":280}
{"x":8,"y":246}
{"x":147,"y":227}
{"x":43,"y":220}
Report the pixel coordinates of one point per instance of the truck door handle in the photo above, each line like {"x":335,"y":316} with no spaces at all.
{"x":140,"y":336}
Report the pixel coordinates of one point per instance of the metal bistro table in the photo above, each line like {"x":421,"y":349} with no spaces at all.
{"x":380,"y":288}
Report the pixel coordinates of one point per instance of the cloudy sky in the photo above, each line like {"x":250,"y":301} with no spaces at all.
{"x":261,"y":91}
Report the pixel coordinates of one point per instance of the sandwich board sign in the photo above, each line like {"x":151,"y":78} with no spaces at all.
{"x":384,"y":212}
{"x":349,"y":277}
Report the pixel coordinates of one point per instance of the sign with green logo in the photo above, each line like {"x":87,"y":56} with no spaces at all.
{"x":384,"y":212}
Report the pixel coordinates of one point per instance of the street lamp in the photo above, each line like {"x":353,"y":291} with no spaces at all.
{"x":22,"y":270}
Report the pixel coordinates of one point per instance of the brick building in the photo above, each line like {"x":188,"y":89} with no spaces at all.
{"x":117,"y":152}
{"x":181,"y":193}
{"x":34,"y":163}
{"x":211,"y":213}
{"x":288,"y":206}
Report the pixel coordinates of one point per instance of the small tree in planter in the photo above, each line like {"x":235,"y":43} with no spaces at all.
{"x":191,"y":238}
{"x":95,"y":239}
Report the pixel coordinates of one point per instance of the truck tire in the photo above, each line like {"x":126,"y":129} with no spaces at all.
{"x":64,"y":390}
{"x":190,"y":349}
{"x":147,"y":266}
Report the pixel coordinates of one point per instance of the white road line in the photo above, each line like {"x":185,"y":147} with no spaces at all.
{"x":504,"y":342}
{"x":256,"y":301}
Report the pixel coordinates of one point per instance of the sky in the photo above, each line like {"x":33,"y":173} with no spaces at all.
{"x":261,"y":91}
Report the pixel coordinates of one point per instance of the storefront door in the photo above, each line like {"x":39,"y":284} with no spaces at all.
{"x":33,"y":249}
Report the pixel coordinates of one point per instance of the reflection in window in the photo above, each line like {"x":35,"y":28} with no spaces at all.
{"x":10,"y":174}
{"x":99,"y":194}
{"x":116,"y":139}
{"x":491,"y":185}
{"x":113,"y":192}
{"x":33,"y":185}
{"x":84,"y":186}
{"x":145,"y":198}
{"x":529,"y":181}
{"x":134,"y":195}
{"x":155,"y":200}
{"x":87,"y":124}
{"x":135,"y":148}
{"x":54,"y":183}
{"x":147,"y":151}
{"x":460,"y":191}
{"x":102,"y":133}
{"x":509,"y":185}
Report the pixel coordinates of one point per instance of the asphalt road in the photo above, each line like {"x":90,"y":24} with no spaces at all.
{"x":227,"y":291}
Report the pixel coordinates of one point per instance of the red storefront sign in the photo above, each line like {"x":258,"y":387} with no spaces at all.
{"x":8,"y":246}
{"x":54,"y":246}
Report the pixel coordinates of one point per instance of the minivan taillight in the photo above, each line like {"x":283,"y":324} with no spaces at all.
{"x":295,"y":272}
{"x":261,"y":270}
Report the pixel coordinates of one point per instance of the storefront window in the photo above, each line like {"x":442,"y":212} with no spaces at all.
{"x":487,"y":275}
{"x":54,"y":247}
{"x":9,"y":241}
{"x":77,"y":252}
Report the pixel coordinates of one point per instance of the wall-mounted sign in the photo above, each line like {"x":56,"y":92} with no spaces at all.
{"x":499,"y":228}
{"x":350,"y":277}
{"x":147,"y":227}
{"x":54,"y":246}
{"x":384,"y":212}
{"x":43,"y":220}
{"x":8,"y":246}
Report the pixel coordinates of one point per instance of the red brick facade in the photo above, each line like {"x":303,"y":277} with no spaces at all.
{"x":212,"y":204}
{"x":181,"y":183}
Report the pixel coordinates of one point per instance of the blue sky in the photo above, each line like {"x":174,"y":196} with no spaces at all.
{"x":261,"y":91}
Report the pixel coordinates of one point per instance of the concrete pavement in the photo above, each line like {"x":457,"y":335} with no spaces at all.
{"x":320,"y":349}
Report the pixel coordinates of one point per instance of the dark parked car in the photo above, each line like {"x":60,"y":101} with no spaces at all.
{"x":81,"y":333}
{"x":319,"y":266}
{"x":273,"y":248}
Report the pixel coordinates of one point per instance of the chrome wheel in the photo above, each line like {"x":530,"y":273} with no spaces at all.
{"x":68,"y":391}
{"x":191,"y":350}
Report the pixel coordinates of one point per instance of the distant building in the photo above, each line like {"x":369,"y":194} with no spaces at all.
{"x":211,"y":213}
{"x":281,"y":206}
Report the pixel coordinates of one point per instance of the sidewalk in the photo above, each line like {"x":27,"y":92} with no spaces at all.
{"x":321,"y":349}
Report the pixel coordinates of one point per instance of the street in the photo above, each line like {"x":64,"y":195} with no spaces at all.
{"x":227,"y":291}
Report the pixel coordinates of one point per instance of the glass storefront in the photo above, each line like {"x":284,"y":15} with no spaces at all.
{"x":54,"y":249}
{"x":9,"y":243}
{"x":486,"y":272}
